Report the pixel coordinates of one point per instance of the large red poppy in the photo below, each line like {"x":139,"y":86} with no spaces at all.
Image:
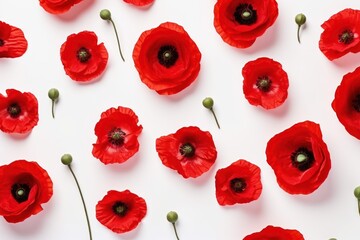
{"x":240,"y":22}
{"x":346,"y":103}
{"x":24,"y":186}
{"x":238,"y":183}
{"x":12,"y":41}
{"x":83,"y":58}
{"x":139,"y":3}
{"x":58,"y":6}
{"x":190,"y":151}
{"x":265,"y":83}
{"x":18,"y":111}
{"x":117,"y":135}
{"x":121,"y":211}
{"x":166,"y":58}
{"x":278,"y":233}
{"x":341,"y":34}
{"x":299,"y":157}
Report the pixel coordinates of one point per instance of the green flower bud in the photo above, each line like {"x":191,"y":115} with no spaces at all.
{"x":66,"y":159}
{"x":172,"y":216}
{"x":105,"y":14}
{"x":208,"y":102}
{"x":357,"y":192}
{"x":300,"y":19}
{"x":53,"y":94}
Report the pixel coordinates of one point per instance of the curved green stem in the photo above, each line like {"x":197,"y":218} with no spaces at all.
{"x":52,"y":108}
{"x":217,"y":123}
{"x":298,"y":33}
{"x":177,"y":237}
{"x":117,"y":38}
{"x":83,"y":201}
{"x":359,"y":206}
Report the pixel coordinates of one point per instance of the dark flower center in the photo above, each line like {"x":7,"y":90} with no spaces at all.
{"x":20,"y":192}
{"x":120,"y":209}
{"x":187,"y":150}
{"x":346,"y":37}
{"x":263,"y":83}
{"x":2,"y":42}
{"x":245,"y":14}
{"x":14,"y":110}
{"x":302,"y":159}
{"x":238,"y":185}
{"x":116,"y":136}
{"x":356,"y":103}
{"x":83,"y":55}
{"x":167,"y":55}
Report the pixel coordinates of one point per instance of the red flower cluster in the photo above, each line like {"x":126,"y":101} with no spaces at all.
{"x":18,"y":111}
{"x":299,"y":158}
{"x":278,"y":233}
{"x":346,"y":103}
{"x":341,"y":34}
{"x":24,"y":186}
{"x":238,"y":183}
{"x":139,"y":2}
{"x":58,"y":6}
{"x":265,"y":83}
{"x":190,"y":151}
{"x":83,"y":58}
{"x":167,"y":59}
{"x":12,"y":41}
{"x":121,"y":211}
{"x":240,"y":22}
{"x":117,"y":132}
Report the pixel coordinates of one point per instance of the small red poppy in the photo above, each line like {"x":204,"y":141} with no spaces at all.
{"x":265,"y":83}
{"x":341,"y":34}
{"x":190,"y":151}
{"x":278,"y":233}
{"x":18,"y":111}
{"x":299,"y":157}
{"x":121,"y":211}
{"x":117,"y":135}
{"x":83,"y":58}
{"x":58,"y":6}
{"x":346,"y":103}
{"x":240,"y":22}
{"x":12,"y":41}
{"x":24,"y":186}
{"x":139,"y":2}
{"x":238,"y":183}
{"x":166,"y":58}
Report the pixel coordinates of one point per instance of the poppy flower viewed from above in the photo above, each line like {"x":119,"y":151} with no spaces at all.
{"x":121,"y":211}
{"x":58,"y":6}
{"x":117,"y":135}
{"x":299,"y":157}
{"x":240,"y":22}
{"x":341,"y":34}
{"x":24,"y":186}
{"x":190,"y":151}
{"x":167,"y":59}
{"x":13,"y":43}
{"x":265,"y":83}
{"x":139,"y":3}
{"x":238,"y":183}
{"x":278,"y":233}
{"x":18,"y":111}
{"x":346,"y":103}
{"x":82,"y":57}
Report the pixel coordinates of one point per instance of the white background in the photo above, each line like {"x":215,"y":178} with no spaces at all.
{"x":331,"y":211}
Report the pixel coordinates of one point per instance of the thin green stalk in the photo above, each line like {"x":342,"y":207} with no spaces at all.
{"x":52,"y":109}
{"x":177,"y":237}
{"x":298,"y":33}
{"x":117,"y":38}
{"x":217,"y":123}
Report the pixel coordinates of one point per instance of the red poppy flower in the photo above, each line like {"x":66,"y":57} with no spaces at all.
{"x":166,"y":58}
{"x":299,"y":157}
{"x":341,"y":34}
{"x":190,"y":151}
{"x":238,"y":183}
{"x":58,"y":6}
{"x":240,"y":22}
{"x":121,"y":211}
{"x":139,"y":2}
{"x":12,"y":41}
{"x":18,"y":111}
{"x":265,"y":83}
{"x":278,"y":233}
{"x":117,"y":133}
{"x":346,"y":103}
{"x":24,"y":186}
{"x":83,"y":58}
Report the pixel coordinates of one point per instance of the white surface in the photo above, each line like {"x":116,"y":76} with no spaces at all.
{"x":331,"y":211}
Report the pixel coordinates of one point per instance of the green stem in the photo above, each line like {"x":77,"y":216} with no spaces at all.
{"x":83,"y":201}
{"x":117,"y":38}
{"x":359,"y":206}
{"x":52,"y":108}
{"x":298,"y":33}
{"x":177,"y":237}
{"x":217,"y":123}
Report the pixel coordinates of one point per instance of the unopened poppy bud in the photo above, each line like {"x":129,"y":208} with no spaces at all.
{"x":357,"y":195}
{"x":66,"y":159}
{"x":208,"y":102}
{"x":172,"y":216}
{"x":53,"y":94}
{"x":300,"y":20}
{"x":105,"y":14}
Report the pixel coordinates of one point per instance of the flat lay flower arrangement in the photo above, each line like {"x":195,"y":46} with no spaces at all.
{"x":133,"y":119}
